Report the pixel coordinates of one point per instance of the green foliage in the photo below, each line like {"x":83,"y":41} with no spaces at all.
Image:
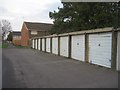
{"x":4,"y":45}
{"x":81,"y":16}
{"x":20,"y":47}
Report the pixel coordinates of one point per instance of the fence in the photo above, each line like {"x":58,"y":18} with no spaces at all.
{"x":97,"y":46}
{"x":17,"y":41}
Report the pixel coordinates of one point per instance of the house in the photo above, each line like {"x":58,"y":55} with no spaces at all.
{"x":31,"y":29}
{"x":16,"y":37}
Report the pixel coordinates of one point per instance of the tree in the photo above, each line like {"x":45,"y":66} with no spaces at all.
{"x":81,"y":16}
{"x":10,"y":36}
{"x":0,"y":31}
{"x":6,"y":28}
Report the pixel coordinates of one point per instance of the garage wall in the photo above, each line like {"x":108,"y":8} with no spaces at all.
{"x":33,"y":43}
{"x":39,"y":44}
{"x":36,"y":43}
{"x":78,"y":47}
{"x":118,"y":51}
{"x":43,"y":44}
{"x":55,"y":45}
{"x":47,"y":44}
{"x":100,"y":46}
{"x":64,"y":46}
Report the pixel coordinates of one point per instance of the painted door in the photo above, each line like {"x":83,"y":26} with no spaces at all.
{"x":78,"y":47}
{"x":100,"y":49}
{"x":47,"y":44}
{"x":64,"y":46}
{"x":55,"y":45}
{"x":43,"y":44}
{"x":39,"y":44}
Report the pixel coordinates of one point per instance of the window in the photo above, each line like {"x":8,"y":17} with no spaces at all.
{"x":34,"y":32}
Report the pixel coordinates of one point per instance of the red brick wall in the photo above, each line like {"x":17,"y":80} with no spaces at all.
{"x":24,"y":36}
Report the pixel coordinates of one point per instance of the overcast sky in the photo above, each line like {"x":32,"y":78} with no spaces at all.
{"x":17,"y":11}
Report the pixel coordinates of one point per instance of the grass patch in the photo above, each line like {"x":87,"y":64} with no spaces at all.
{"x":4,"y":45}
{"x":21,"y":47}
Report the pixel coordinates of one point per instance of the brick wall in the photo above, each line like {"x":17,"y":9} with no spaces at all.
{"x":24,"y":36}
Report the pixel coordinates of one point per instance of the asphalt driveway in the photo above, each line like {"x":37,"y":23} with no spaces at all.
{"x":28,"y":68}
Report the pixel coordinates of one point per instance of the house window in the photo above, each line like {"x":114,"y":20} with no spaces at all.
{"x":34,"y":32}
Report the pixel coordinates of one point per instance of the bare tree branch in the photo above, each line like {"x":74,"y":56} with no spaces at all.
{"x":6,"y":27}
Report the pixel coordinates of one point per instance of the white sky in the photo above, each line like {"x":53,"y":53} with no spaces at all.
{"x":17,"y":11}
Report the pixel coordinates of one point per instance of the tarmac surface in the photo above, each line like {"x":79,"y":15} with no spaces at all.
{"x":29,"y":68}
{"x":0,"y":65}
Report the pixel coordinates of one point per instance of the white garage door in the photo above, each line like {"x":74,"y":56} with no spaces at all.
{"x":43,"y":44}
{"x":47,"y":44}
{"x":78,"y":47}
{"x":38,"y":44}
{"x":100,"y":49}
{"x":55,"y":45}
{"x":118,"y":52}
{"x":64,"y":46}
{"x":33,"y":43}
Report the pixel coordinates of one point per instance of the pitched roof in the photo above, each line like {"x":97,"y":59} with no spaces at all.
{"x":16,"y":33}
{"x":38,"y":26}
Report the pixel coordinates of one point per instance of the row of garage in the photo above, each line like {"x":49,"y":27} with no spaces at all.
{"x":94,"y":46}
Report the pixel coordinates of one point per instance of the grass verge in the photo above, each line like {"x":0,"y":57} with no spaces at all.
{"x":21,"y":47}
{"x":4,"y":45}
